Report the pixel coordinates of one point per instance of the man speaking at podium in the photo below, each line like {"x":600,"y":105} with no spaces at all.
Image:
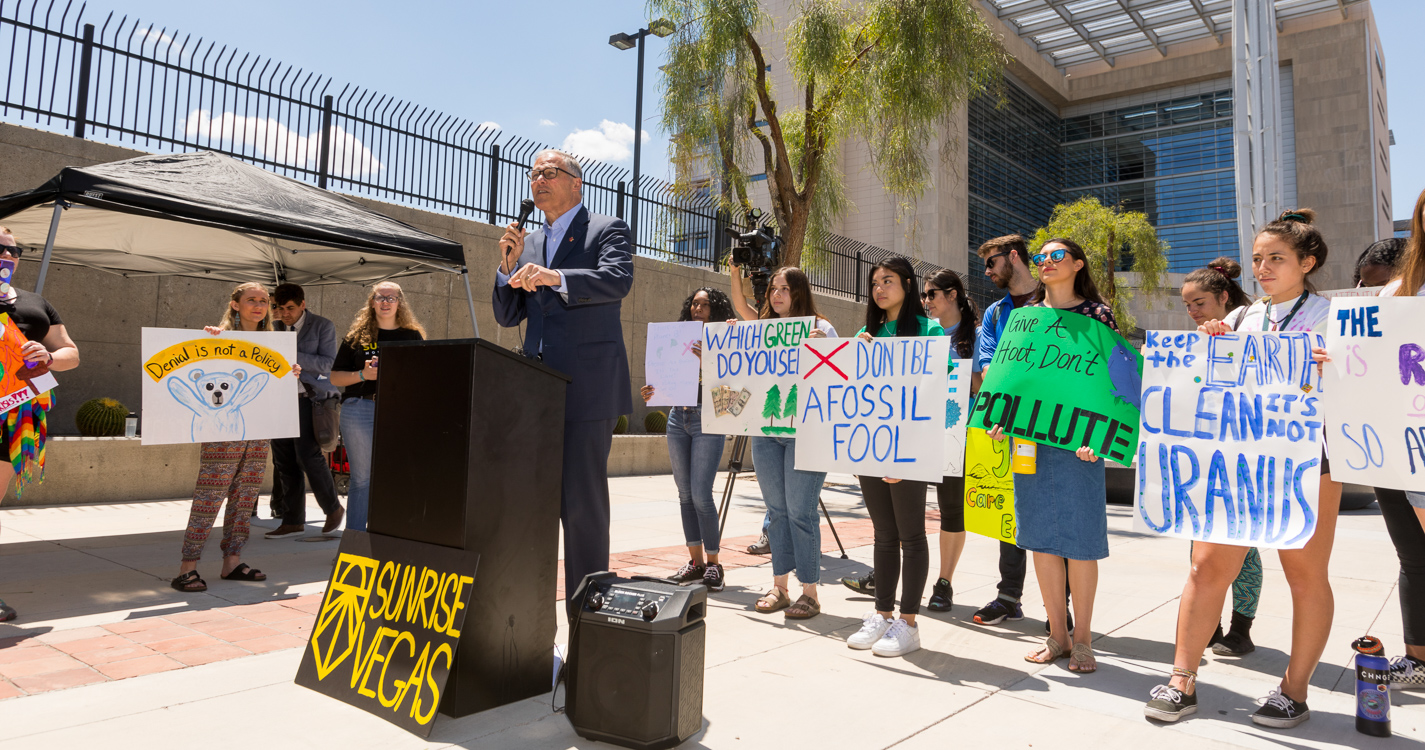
{"x":568,"y":279}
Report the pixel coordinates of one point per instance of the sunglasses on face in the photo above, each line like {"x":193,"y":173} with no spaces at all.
{"x":930,"y":295}
{"x":993,"y":259}
{"x":13,"y":250}
{"x":548,"y":173}
{"x":1057,"y":256}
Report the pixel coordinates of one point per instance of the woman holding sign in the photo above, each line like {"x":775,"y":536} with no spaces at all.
{"x":1284,"y":255}
{"x":695,"y":457}
{"x":1061,"y":506}
{"x":896,"y":507}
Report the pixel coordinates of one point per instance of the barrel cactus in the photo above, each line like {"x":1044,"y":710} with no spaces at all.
{"x":101,"y":417}
{"x":622,"y":426}
{"x":655,"y":423}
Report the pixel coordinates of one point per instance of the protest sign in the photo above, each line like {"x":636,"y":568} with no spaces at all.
{"x":957,"y":413}
{"x":200,"y":388}
{"x":389,"y":627}
{"x":1230,"y":448}
{"x":989,"y":487}
{"x":750,"y":376}
{"x":669,"y":364}
{"x":1360,"y":291}
{"x":1375,"y":415}
{"x":16,"y":387}
{"x":1063,"y":379}
{"x":874,"y":408}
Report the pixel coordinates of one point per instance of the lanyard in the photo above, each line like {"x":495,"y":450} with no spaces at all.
{"x":1267,"y":318}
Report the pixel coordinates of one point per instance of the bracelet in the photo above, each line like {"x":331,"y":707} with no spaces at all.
{"x":362,"y":374}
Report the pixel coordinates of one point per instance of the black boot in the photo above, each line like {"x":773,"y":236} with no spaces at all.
{"x":1238,"y":641}
{"x":1216,"y":636}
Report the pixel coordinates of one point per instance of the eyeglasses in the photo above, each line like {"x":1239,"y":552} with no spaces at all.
{"x":549,"y":173}
{"x":383,"y":299}
{"x":1056,"y":256}
{"x":930,"y":295}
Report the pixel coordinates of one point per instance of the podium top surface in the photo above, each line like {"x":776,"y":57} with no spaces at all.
{"x":485,"y":345}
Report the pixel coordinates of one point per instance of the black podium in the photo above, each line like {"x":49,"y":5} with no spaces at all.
{"x":467,"y":454}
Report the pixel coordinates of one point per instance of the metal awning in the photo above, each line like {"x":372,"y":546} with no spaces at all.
{"x":1073,"y":32}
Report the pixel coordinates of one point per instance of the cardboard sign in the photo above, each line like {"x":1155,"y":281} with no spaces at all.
{"x":15,"y":390}
{"x":386,"y":636}
{"x":957,"y":415}
{"x":874,"y":408}
{"x":1375,"y":415}
{"x":1063,"y":379}
{"x":989,"y":487}
{"x":200,"y":388}
{"x":750,"y":375}
{"x":669,"y":364}
{"x":1230,"y":439}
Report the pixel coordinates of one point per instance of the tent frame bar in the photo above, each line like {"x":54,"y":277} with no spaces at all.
{"x":59,"y":207}
{"x":470,"y":297}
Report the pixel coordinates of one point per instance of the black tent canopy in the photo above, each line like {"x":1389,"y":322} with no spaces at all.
{"x":208,"y":216}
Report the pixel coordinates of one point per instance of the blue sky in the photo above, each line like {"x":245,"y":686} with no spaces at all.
{"x":543,"y":69}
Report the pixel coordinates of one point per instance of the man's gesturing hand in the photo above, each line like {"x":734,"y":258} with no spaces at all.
{"x":531,"y":277}
{"x":512,"y":244}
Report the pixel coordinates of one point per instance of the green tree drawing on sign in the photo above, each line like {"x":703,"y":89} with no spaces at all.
{"x":772,"y":408}
{"x":789,"y":409}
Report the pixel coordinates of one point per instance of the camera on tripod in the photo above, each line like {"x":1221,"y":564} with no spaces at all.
{"x":759,"y":252}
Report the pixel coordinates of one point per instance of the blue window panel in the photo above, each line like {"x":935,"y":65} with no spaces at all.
{"x":757,"y":177}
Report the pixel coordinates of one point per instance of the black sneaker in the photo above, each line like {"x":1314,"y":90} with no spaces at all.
{"x":998,"y":611}
{"x":1169,"y":704}
{"x":1280,"y":711}
{"x":712,"y":578}
{"x":866,"y":585}
{"x":762,"y":547}
{"x":689,"y":573}
{"x":942,"y":597}
{"x":1406,"y":673}
{"x":7,"y":612}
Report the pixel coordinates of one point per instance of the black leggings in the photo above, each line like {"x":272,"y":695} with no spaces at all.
{"x":1404,"y":528}
{"x":950,"y":494}
{"x":898,"y":520}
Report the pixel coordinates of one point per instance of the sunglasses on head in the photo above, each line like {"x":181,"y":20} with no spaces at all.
{"x":1056,"y":256}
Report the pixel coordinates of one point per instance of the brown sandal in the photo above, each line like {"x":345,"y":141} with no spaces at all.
{"x":1082,"y":656}
{"x":805,"y":609}
{"x":773,"y":601}
{"x":1056,"y":652}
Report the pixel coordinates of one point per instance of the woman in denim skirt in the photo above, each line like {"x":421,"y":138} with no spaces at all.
{"x":695,"y":458}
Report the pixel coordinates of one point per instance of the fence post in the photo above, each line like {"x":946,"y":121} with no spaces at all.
{"x":494,"y":184}
{"x":81,"y":102}
{"x":618,"y":206}
{"x":325,"y":159}
{"x":858,"y":275}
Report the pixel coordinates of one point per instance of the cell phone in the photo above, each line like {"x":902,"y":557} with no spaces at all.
{"x":7,"y":271}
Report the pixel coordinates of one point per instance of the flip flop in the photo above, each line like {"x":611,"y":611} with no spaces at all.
{"x":189,"y":583}
{"x":244,"y":572}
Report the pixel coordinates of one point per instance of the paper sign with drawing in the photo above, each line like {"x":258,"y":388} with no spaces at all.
{"x":669,"y":363}
{"x":15,"y":386}
{"x":199,"y":388}
{"x":957,"y":412}
{"x":750,"y":375}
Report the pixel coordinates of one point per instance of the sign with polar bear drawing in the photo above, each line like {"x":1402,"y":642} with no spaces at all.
{"x":201,"y":388}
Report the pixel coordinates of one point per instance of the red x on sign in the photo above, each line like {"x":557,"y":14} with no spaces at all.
{"x":826,"y":360}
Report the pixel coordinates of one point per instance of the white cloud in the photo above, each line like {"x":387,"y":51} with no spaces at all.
{"x":158,"y":38}
{"x":488,"y":125}
{"x":548,"y":123}
{"x":273,"y":140}
{"x":613,"y":141}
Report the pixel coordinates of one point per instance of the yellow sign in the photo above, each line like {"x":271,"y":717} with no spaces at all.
{"x":200,"y":350}
{"x":989,"y":487}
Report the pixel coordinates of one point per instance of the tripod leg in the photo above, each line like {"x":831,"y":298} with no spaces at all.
{"x":734,"y":465}
{"x":832,"y":524}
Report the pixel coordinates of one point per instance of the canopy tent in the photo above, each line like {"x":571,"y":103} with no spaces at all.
{"x":208,"y":216}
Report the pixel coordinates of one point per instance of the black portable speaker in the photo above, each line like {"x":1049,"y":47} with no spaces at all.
{"x":635,"y":671}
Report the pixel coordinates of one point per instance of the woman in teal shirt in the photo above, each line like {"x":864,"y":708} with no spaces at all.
{"x":896,"y":507}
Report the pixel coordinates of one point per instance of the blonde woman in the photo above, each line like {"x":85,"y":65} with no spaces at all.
{"x":232,"y":469}
{"x":385,"y":318}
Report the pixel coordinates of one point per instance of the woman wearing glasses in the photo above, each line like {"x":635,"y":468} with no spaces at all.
{"x":1061,"y":508}
{"x":385,"y":318}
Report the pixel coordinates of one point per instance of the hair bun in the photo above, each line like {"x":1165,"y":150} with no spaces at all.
{"x":1226,"y":266}
{"x":1302,"y":215}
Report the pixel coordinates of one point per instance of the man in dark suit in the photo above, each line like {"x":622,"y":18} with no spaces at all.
{"x":291,"y":457}
{"x":568,"y":280}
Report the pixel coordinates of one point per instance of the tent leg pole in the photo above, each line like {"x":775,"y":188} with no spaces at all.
{"x":49,"y":247}
{"x":470,"y":297}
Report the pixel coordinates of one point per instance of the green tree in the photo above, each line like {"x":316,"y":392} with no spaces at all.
{"x":888,"y":71}
{"x":789,"y":409}
{"x":772,"y":407}
{"x":1106,"y":233}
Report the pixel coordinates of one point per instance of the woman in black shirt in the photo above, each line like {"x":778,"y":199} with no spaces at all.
{"x":386,"y":317}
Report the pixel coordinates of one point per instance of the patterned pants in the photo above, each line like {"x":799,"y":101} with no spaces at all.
{"x":1247,"y":587}
{"x":232,"y":470}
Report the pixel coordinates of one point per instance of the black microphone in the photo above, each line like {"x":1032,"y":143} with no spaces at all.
{"x":526,"y":208}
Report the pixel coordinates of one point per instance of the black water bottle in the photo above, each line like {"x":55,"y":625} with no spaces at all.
{"x":1372,"y":688}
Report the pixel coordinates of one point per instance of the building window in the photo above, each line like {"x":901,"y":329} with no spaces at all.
{"x":757,"y":177}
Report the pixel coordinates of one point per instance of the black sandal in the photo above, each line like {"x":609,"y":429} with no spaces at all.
{"x":244,"y":572}
{"x":189,"y":583}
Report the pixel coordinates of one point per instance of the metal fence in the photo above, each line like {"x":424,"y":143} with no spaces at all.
{"x":124,"y":81}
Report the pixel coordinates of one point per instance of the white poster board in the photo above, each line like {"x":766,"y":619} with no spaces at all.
{"x":875,"y":408}
{"x":1375,"y":415}
{"x":1229,"y":442}
{"x":957,"y":413}
{"x":750,"y":374}
{"x":669,"y":363}
{"x":200,"y":388}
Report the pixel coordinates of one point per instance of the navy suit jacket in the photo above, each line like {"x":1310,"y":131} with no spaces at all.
{"x":316,"y":350}
{"x":583,"y":337}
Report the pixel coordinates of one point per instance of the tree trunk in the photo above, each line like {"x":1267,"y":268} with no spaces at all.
{"x":1111,"y":289}
{"x":794,"y":231}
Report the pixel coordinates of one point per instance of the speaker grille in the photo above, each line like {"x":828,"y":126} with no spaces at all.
{"x":690,"y":679}
{"x":623,"y":682}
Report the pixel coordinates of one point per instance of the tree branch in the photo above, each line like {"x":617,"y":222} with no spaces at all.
{"x":785,"y":186}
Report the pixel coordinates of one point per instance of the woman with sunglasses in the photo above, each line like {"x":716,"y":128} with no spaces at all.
{"x":896,"y":507}
{"x":945,"y":300}
{"x":386,"y":317}
{"x":1061,"y":508}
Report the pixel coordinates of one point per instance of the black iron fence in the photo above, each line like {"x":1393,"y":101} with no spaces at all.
{"x":128,"y":82}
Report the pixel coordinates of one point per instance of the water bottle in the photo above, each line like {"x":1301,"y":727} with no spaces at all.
{"x":1024,"y":461}
{"x":1372,"y":688}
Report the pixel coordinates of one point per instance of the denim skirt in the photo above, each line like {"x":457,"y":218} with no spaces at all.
{"x":1061,"y":508}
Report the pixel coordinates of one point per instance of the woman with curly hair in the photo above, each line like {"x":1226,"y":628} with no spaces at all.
{"x":695,"y":458}
{"x":383,"y":319}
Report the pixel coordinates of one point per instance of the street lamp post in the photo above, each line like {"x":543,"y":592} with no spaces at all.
{"x":660,"y":28}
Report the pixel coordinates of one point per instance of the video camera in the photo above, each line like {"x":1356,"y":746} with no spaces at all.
{"x":759,"y":252}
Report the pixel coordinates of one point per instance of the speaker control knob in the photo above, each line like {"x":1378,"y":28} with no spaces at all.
{"x":650,"y":610}
{"x":596,"y":601}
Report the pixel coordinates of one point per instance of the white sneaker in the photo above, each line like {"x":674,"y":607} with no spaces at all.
{"x":900,"y":639}
{"x":873,"y":626}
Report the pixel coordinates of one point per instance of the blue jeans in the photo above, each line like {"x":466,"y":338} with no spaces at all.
{"x":792,"y":498}
{"x":695,"y":458}
{"x":358,"y":424}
